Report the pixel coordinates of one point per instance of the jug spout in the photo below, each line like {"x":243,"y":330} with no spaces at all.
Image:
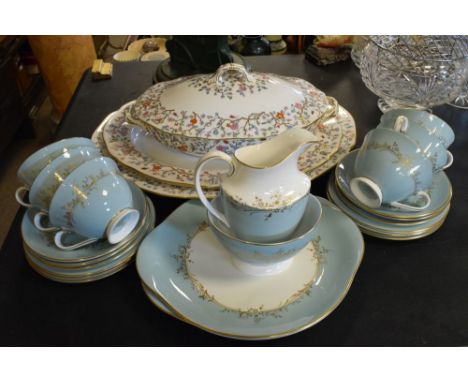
{"x":275,"y":151}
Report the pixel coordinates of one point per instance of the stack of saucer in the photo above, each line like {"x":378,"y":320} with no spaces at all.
{"x":387,"y":222}
{"x":90,"y":263}
{"x":394,"y":186}
{"x":84,"y":221}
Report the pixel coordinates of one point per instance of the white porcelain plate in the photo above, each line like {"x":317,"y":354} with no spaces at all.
{"x":137,"y":149}
{"x":144,"y":182}
{"x":192,"y":274}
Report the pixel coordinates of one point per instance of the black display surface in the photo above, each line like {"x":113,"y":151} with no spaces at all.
{"x":404,"y":294}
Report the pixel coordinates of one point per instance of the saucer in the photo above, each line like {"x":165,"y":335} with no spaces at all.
{"x":440,"y":192}
{"x":43,"y":244}
{"x":386,"y":229}
{"x":192,"y":274}
{"x":96,"y":269}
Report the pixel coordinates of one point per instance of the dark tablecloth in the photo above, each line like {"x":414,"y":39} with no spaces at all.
{"x":405,"y":293}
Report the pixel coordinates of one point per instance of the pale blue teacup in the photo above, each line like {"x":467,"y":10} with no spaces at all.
{"x":94,"y":202}
{"x":49,"y":179}
{"x":434,"y":125}
{"x":429,"y":143}
{"x":389,"y":168}
{"x":264,"y":259}
{"x":263,"y":225}
{"x":34,"y":164}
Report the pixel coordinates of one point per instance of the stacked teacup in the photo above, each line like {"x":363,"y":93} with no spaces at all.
{"x":394,"y":185}
{"x":80,"y":212}
{"x":264,"y":214}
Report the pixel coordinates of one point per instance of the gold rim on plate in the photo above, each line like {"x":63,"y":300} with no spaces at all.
{"x":311,"y":323}
{"x":396,"y":232}
{"x":82,"y":279}
{"x":407,"y":238}
{"x":379,"y":218}
{"x":78,"y":273}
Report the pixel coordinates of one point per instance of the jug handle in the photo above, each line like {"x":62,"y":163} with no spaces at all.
{"x":198,"y":170}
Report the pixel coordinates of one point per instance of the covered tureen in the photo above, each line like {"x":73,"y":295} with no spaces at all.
{"x":227,"y":110}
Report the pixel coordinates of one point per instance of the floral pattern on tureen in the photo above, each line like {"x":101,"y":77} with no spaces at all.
{"x":118,"y":141}
{"x":204,"y":112}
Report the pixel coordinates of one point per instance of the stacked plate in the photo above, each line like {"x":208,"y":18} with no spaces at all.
{"x":160,"y":170}
{"x":187,"y":273}
{"x":90,"y":263}
{"x":159,"y":138}
{"x":388,"y":222}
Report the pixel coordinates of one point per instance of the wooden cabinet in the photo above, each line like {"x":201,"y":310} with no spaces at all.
{"x":17,"y":99}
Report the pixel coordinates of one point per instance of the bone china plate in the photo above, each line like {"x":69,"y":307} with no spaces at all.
{"x":141,"y":152}
{"x":192,"y":275}
{"x":144,"y":182}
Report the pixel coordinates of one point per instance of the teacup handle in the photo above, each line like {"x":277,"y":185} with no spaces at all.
{"x":449,"y":160}
{"x":198,"y":170}
{"x":58,"y":242}
{"x":38,"y":222}
{"x":401,"y":124}
{"x":409,"y":207}
{"x":19,"y":194}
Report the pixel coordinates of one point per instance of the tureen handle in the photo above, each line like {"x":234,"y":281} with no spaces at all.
{"x":198,"y":170}
{"x":239,"y":69}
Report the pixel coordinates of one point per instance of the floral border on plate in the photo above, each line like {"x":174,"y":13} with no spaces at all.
{"x":118,"y":142}
{"x":144,"y":182}
{"x":348,"y":140}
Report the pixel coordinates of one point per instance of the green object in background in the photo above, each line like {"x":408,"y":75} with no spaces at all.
{"x":195,"y":55}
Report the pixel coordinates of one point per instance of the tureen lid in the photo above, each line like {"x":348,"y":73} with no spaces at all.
{"x":232,"y":103}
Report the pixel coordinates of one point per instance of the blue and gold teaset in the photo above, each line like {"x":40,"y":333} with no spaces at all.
{"x":394,"y":186}
{"x":262,"y":258}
